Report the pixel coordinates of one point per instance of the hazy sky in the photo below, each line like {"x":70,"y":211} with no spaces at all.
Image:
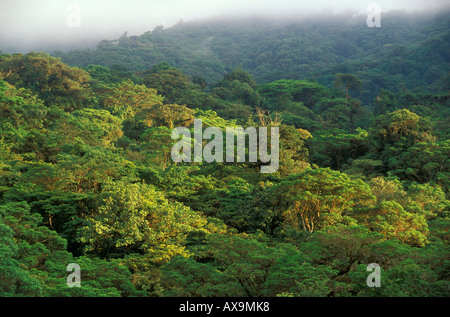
{"x":36,"y":24}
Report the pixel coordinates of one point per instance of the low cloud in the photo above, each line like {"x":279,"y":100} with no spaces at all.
{"x":43,"y":24}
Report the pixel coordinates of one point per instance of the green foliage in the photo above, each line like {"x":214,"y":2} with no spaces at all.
{"x":188,"y":278}
{"x":334,"y":148}
{"x":411,"y":51}
{"x":133,"y":218}
{"x":171,"y":83}
{"x":86,"y":174}
{"x":401,"y":128}
{"x":318,"y":198}
{"x":55,"y":82}
{"x":349,"y":82}
{"x":391,"y":220}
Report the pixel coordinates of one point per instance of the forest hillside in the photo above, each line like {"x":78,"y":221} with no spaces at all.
{"x":87,"y":177}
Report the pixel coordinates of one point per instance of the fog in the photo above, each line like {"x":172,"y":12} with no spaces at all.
{"x":47,"y":25}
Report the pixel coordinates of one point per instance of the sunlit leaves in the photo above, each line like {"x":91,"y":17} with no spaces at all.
{"x":127,"y":99}
{"x":55,"y":82}
{"x":321,"y":197}
{"x":393,"y":221}
{"x":136,"y":218}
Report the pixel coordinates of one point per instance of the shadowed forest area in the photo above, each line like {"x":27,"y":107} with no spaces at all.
{"x":86,"y":174}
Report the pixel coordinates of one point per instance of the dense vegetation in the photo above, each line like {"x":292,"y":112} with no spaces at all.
{"x":410,"y":51}
{"x":86,"y":175}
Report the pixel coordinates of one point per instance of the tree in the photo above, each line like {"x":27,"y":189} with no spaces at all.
{"x":127,"y":99}
{"x":136,"y":218}
{"x":407,"y":279}
{"x":15,"y":280}
{"x":171,"y":83}
{"x":238,"y":86}
{"x":341,"y":247}
{"x":98,"y":127}
{"x":294,"y":274}
{"x":349,"y":82}
{"x":407,"y":146}
{"x":320,"y":197}
{"x":99,"y":278}
{"x":401,"y":128}
{"x":385,"y":102}
{"x":247,"y":261}
{"x":25,"y":246}
{"x":54,"y":81}
{"x":423,"y":162}
{"x":335,"y":148}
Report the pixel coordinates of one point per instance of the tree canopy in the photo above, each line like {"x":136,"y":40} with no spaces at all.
{"x":87,"y":177}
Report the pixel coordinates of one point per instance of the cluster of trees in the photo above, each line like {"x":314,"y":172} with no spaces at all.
{"x":409,"y":52}
{"x":86,"y":177}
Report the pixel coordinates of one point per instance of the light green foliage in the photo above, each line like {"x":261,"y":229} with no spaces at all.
{"x":239,"y":86}
{"x":401,"y":128}
{"x":137,"y":218}
{"x":391,"y":220}
{"x":101,"y":127}
{"x":335,"y":148}
{"x":317,"y":198}
{"x":127,"y":99}
{"x":55,"y":82}
{"x":34,"y":261}
{"x":282,"y":92}
{"x":14,"y":278}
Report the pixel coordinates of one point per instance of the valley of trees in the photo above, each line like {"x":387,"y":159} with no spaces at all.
{"x":86,"y":175}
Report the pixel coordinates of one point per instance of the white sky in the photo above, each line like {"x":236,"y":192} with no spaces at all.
{"x":32,"y":24}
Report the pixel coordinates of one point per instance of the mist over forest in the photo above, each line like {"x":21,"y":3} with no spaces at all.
{"x":88,"y":179}
{"x":395,"y":56}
